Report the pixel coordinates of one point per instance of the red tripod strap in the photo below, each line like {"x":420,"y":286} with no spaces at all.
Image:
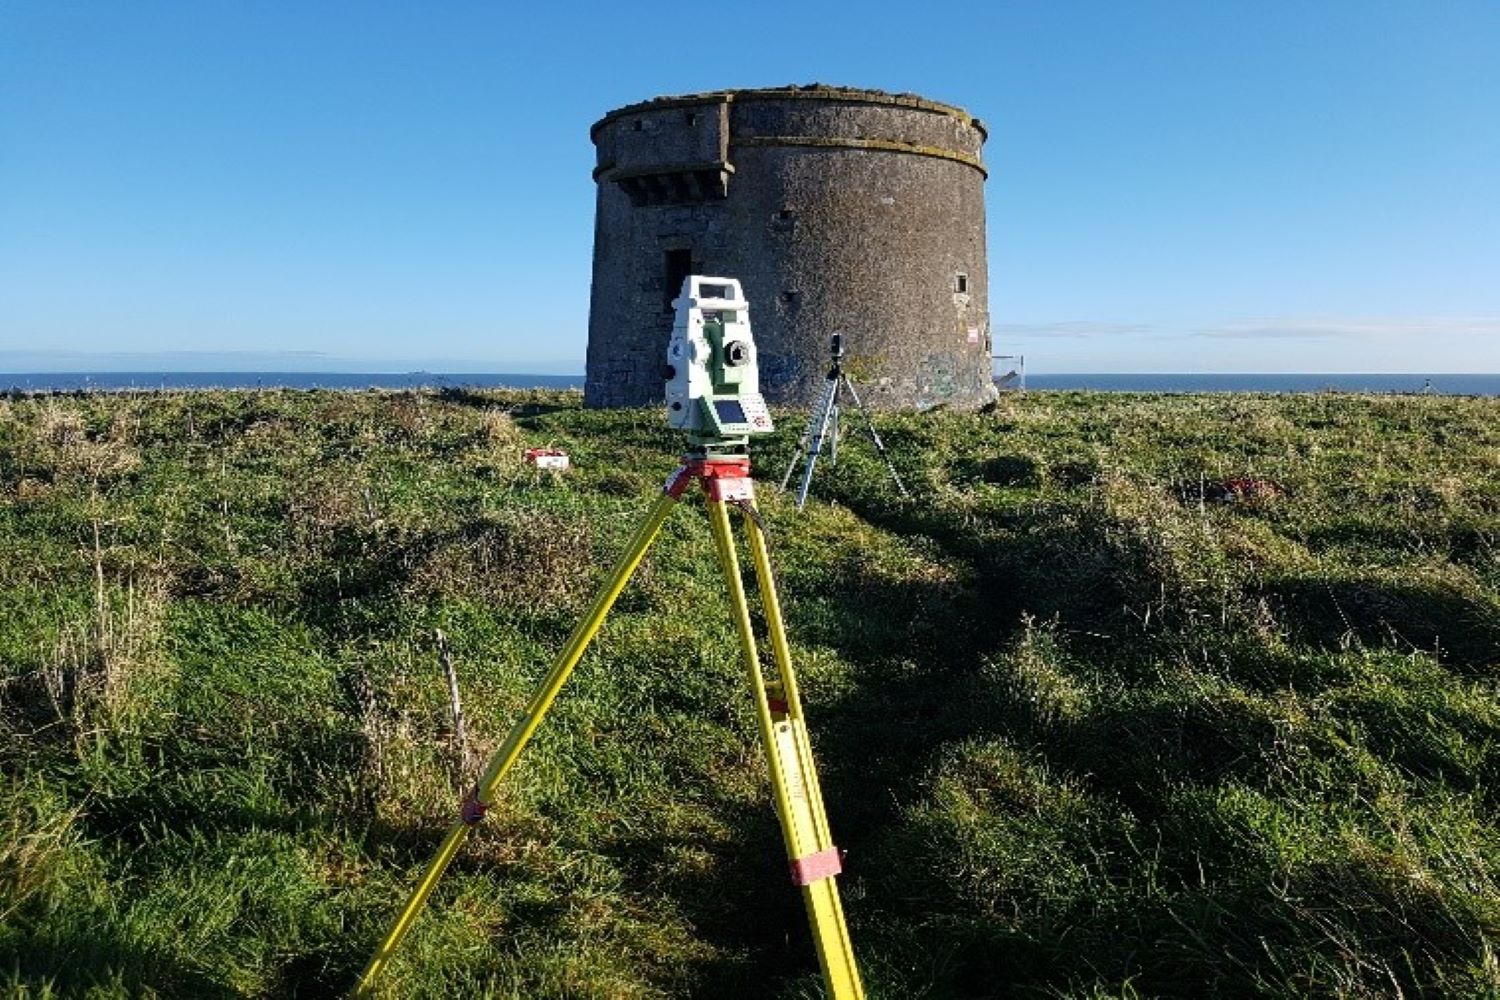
{"x":811,"y":867}
{"x":472,"y":811}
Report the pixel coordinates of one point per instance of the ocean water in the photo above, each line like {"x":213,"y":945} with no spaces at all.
{"x":1453,"y":385}
{"x":116,"y":381}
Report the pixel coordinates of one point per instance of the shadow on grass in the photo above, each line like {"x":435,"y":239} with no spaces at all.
{"x":1335,"y":613}
{"x":920,"y":653}
{"x":81,"y":957}
{"x":743,"y":900}
{"x":318,"y":976}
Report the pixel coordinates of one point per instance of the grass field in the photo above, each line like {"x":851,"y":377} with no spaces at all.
{"x":1141,"y":696}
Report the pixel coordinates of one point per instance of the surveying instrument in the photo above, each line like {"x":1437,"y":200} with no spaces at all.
{"x":713,"y":393}
{"x":824,"y":426}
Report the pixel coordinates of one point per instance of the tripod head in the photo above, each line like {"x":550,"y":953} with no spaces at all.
{"x":837,"y":350}
{"x":713,"y":382}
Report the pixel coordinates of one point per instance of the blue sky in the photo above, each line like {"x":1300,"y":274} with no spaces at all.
{"x":1183,"y":186}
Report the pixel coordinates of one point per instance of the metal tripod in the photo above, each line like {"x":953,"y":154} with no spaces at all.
{"x":813,"y":858}
{"x":824,"y":426}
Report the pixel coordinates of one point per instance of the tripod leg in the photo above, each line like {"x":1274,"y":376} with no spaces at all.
{"x":825,"y":413}
{"x":807,"y":436}
{"x":796,"y":457}
{"x":835,"y":431}
{"x":794,"y":780}
{"x":875,"y":436}
{"x":520,"y":733}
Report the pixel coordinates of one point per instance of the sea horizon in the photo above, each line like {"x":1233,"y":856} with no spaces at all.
{"x":1436,"y":383}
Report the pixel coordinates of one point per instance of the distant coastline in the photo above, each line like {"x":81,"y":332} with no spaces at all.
{"x":1484,"y":384}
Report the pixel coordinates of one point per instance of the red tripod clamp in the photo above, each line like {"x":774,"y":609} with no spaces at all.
{"x":725,"y":479}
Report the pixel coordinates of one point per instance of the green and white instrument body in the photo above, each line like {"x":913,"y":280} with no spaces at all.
{"x":713,"y":381}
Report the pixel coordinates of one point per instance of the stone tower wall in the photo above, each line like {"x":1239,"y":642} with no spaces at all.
{"x":839,"y":211}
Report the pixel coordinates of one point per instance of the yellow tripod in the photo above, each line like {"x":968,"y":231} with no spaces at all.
{"x":799,"y":803}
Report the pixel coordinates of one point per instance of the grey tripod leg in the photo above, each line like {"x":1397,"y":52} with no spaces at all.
{"x":807,"y":436}
{"x":825,"y":414}
{"x":797,"y":457}
{"x":835,"y":431}
{"x":875,"y":436}
{"x":806,"y":439}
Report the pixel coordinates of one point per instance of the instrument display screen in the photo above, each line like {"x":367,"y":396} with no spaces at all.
{"x":729,"y":411}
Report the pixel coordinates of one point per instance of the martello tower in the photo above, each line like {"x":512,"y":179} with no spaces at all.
{"x":840,"y":210}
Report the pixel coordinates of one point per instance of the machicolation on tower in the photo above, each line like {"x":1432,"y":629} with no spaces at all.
{"x":840,"y":211}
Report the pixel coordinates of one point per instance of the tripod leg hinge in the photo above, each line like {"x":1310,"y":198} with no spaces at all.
{"x":811,"y":867}
{"x":677,"y":482}
{"x":472,"y":810}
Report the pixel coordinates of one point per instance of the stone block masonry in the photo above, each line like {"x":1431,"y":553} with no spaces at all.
{"x":840,"y":210}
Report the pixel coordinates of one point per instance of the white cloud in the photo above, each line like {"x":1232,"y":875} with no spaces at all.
{"x":1365,"y":329}
{"x":1069,"y":329}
